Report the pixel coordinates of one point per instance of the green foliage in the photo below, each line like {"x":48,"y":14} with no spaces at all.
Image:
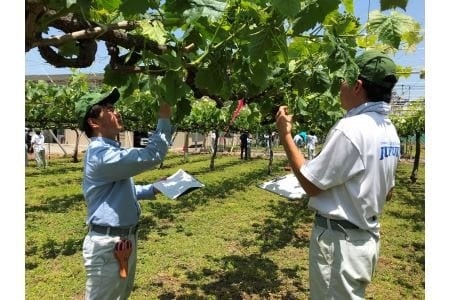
{"x":51,"y":106}
{"x":210,"y":78}
{"x":287,"y":7}
{"x":130,"y":8}
{"x":147,"y":107}
{"x":172,"y":88}
{"x":270,"y":53}
{"x":312,"y":13}
{"x":249,"y":118}
{"x":323,"y":107}
{"x":392,"y":29}
{"x":154,"y":30}
{"x":115,"y":78}
{"x":390,"y":4}
{"x":410,"y":118}
{"x":213,"y":9}
{"x":204,"y":117}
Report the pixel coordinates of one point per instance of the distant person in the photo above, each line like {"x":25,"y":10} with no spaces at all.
{"x":249,"y":145}
{"x":311,"y":140}
{"x":28,"y":136}
{"x":28,"y":148}
{"x":38,"y":144}
{"x":275,"y":139}
{"x":349,"y":182}
{"x":304,"y":136}
{"x":298,"y":140}
{"x":244,"y":142}
{"x":267,"y":143}
{"x":110,"y":246}
{"x":26,"y":155}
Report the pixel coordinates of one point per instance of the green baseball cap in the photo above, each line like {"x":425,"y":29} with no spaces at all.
{"x":375,"y":66}
{"x":86,"y":102}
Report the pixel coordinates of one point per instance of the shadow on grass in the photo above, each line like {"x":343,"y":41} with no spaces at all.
{"x":220,"y":165}
{"x":412,"y":195}
{"x":174,"y":161}
{"x":236,"y":277}
{"x":407,"y":208}
{"x":148,"y":224}
{"x":56,"y":205}
{"x":53,"y":170}
{"x":240,"y":275}
{"x":288,"y":226}
{"x":166,"y":212}
{"x":50,"y":249}
{"x":231,"y":185}
{"x":58,"y":181}
{"x":243,"y":277}
{"x":161,"y":217}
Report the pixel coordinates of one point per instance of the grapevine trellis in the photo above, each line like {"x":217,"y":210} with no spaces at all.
{"x":268,"y":53}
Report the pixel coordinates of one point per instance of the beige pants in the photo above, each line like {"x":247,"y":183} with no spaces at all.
{"x":102,"y":268}
{"x":341,"y":262}
{"x":40,"y":158}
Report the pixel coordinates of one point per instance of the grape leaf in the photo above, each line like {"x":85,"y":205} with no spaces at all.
{"x":287,"y":8}
{"x":154,"y":30}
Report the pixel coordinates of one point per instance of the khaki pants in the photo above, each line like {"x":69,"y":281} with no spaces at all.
{"x":311,"y":153}
{"x":341,"y":262}
{"x":40,"y":158}
{"x":102,"y":268}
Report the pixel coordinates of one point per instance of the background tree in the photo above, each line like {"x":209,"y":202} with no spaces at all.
{"x":410,"y":121}
{"x":204,"y":117}
{"x":50,"y":106}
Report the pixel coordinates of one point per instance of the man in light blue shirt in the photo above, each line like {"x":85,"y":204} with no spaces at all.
{"x":109,"y":248}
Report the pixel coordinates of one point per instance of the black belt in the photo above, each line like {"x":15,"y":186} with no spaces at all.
{"x":113,"y":230}
{"x":335,"y":224}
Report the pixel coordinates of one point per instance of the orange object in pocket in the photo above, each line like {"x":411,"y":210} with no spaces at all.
{"x":122,"y":252}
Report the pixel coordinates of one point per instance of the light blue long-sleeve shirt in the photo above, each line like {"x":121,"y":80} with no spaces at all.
{"x":108,"y":186}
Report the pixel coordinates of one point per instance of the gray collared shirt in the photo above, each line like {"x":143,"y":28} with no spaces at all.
{"x":108,"y":186}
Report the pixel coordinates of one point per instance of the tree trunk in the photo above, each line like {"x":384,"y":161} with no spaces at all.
{"x":186,"y":146}
{"x":410,"y":147}
{"x":173,"y":138}
{"x":57,"y":141}
{"x":204,"y":142}
{"x":75,"y":151}
{"x":269,"y":167}
{"x":413,"y":176}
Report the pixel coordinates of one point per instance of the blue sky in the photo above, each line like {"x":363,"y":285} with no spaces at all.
{"x":410,"y":88}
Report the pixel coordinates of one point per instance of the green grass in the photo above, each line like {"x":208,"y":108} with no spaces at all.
{"x":229,"y":240}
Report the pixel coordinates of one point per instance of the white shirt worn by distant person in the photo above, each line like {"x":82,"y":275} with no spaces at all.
{"x":38,"y":142}
{"x":311,"y":142}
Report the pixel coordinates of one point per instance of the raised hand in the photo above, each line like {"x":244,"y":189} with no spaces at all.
{"x":283,"y":121}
